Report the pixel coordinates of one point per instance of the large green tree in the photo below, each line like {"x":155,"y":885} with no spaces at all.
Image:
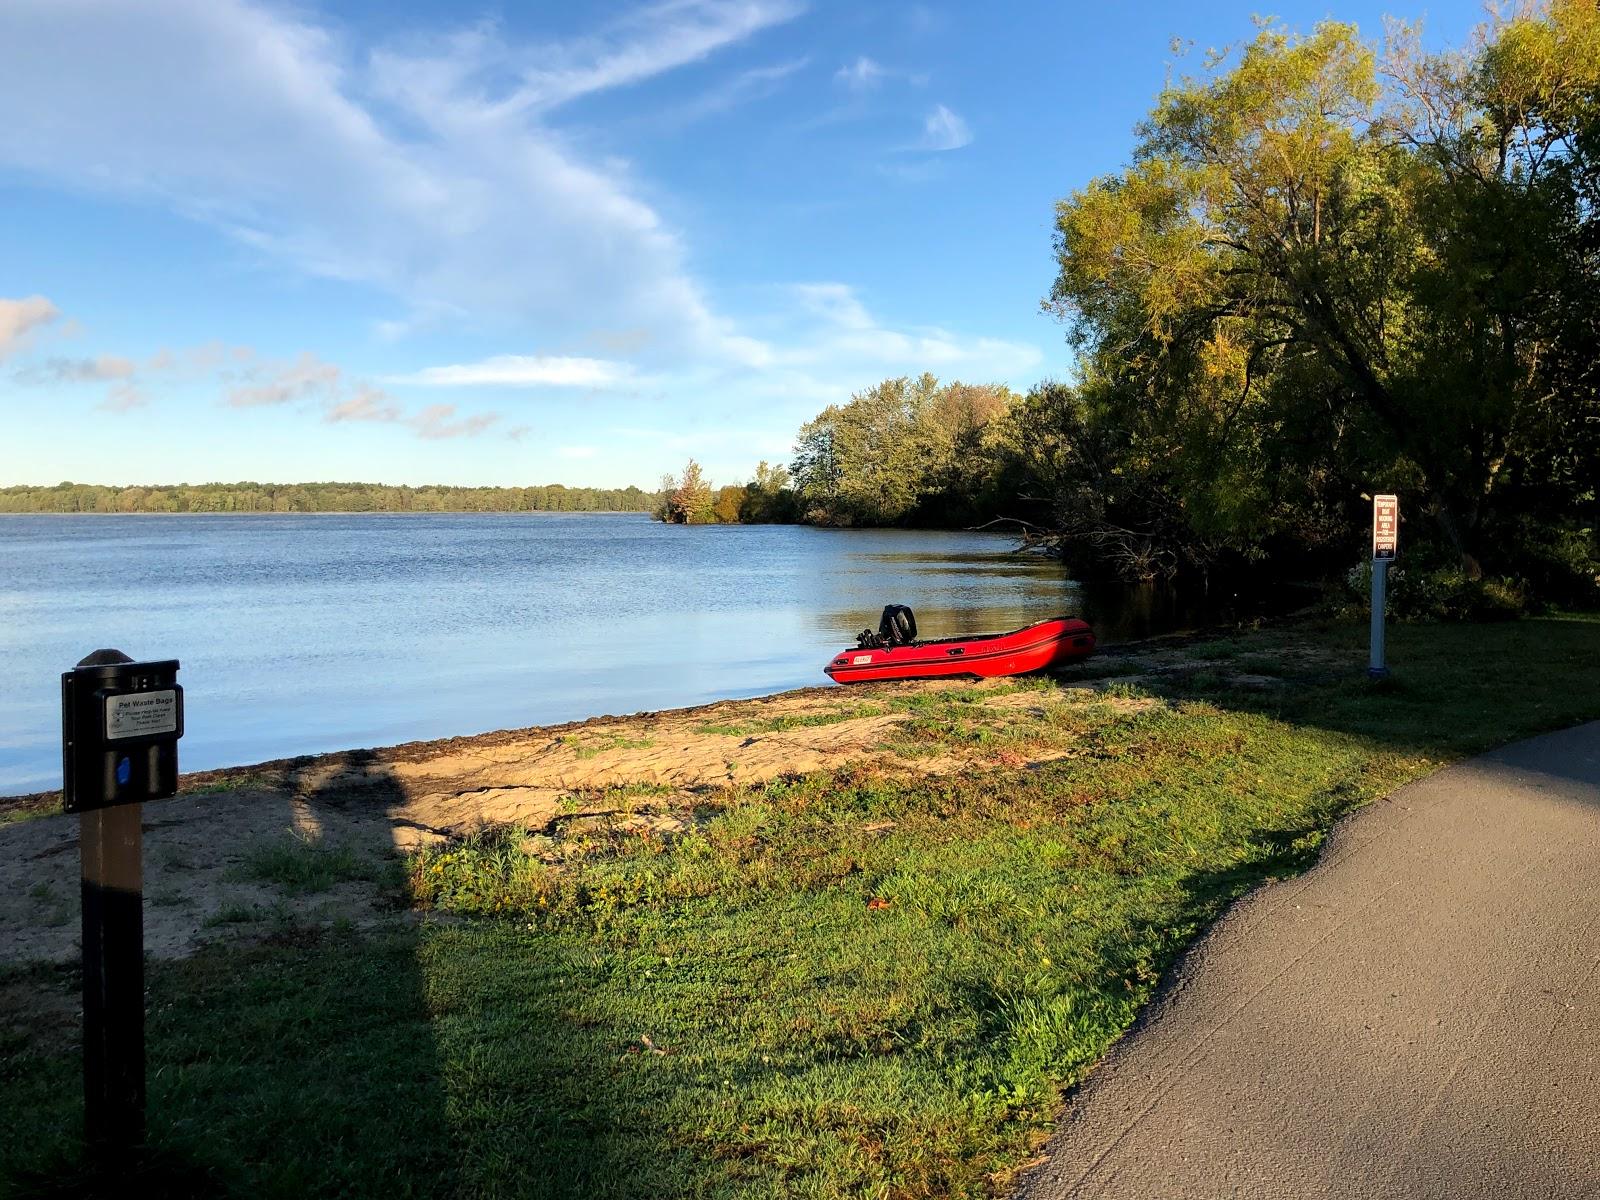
{"x":1330,"y":269}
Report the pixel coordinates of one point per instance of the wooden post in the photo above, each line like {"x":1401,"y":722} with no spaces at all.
{"x":110,"y":844}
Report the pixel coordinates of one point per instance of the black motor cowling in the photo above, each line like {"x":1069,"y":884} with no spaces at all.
{"x":897,"y":627}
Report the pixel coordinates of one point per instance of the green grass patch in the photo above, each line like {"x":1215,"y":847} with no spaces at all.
{"x":27,"y":808}
{"x":231,"y":783}
{"x":300,"y":866}
{"x":589,"y":748}
{"x":237,"y":913}
{"x":836,"y":985}
{"x":854,"y":712}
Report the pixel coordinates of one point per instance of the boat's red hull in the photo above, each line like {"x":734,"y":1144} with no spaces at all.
{"x":1045,"y":644}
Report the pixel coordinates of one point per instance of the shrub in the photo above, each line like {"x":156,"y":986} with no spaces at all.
{"x":1422,"y":593}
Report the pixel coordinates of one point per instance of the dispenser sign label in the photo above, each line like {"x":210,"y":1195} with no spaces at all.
{"x":141,"y":714}
{"x":1385,"y":526}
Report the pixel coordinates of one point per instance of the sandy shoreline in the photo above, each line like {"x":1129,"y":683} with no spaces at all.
{"x":641,"y":772}
{"x":646,"y":772}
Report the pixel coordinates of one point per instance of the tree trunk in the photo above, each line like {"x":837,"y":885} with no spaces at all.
{"x":1451,"y":527}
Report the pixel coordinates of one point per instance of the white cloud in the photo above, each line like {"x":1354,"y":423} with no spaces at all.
{"x":745,"y":88}
{"x":517,"y":370}
{"x":944,"y":130}
{"x":326,"y":388}
{"x":431,"y":170}
{"x":19,"y":318}
{"x":428,"y":172}
{"x":646,"y":43}
{"x":366,"y":404}
{"x":852,"y":339}
{"x":123,"y":398}
{"x":305,"y":377}
{"x":83,"y":370}
{"x":860,"y":75}
{"x":439,"y":421}
{"x":835,"y":303}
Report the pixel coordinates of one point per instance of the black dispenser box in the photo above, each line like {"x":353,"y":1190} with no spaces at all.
{"x":120,"y":725}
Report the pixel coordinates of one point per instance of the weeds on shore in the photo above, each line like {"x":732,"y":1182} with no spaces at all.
{"x":783,"y":724}
{"x":586,"y":748}
{"x":300,"y":865}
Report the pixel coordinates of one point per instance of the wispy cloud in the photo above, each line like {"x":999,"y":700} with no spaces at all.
{"x":432,"y":170}
{"x":425,"y":168}
{"x":326,"y":388}
{"x":124,"y":397}
{"x":923,"y":20}
{"x":944,"y":130}
{"x":860,"y":75}
{"x":440,"y":421}
{"x":366,"y":404}
{"x":835,"y":303}
{"x":739,"y":91}
{"x":847,"y":341}
{"x":20,"y":318}
{"x":305,"y":377}
{"x":81,"y":370}
{"x":517,"y":370}
{"x":643,"y":44}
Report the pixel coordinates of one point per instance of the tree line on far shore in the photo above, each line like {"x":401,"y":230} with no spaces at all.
{"x":906,"y":451}
{"x":1333,"y":268}
{"x":318,"y":497}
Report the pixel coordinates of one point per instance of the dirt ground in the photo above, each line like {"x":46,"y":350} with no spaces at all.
{"x":205,"y":849}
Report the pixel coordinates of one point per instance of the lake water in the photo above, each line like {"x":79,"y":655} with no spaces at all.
{"x":300,"y":634}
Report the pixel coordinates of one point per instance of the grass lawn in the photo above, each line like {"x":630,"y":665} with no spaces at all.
{"x":851,"y":984}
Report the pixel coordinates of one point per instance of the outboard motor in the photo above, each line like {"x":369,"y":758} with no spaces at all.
{"x":897,"y":627}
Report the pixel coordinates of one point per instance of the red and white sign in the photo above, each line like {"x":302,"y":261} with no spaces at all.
{"x":1385,"y":526}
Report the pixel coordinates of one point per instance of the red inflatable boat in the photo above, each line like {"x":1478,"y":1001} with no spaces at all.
{"x":1032,"y":648}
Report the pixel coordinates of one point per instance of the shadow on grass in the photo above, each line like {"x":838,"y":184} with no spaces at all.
{"x":419,"y":1057}
{"x":289,"y":1059}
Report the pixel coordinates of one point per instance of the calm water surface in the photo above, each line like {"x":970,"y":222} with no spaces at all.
{"x":300,"y":634}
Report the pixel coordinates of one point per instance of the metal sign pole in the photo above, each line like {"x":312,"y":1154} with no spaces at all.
{"x":113,"y":977}
{"x":1376,"y":667}
{"x":1385,"y":545}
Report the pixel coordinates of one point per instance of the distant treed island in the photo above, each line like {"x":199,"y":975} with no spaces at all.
{"x":903,"y":452}
{"x":318,"y":497}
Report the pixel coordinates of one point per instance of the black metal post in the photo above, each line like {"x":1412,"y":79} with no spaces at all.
{"x":120,"y":725}
{"x":113,"y":978}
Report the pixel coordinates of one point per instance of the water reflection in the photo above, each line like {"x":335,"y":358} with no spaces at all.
{"x":1121,"y":612}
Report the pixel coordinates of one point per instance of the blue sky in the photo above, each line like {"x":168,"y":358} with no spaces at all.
{"x":414,"y":242}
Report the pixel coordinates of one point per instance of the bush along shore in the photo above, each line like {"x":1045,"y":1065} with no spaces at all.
{"x":831,"y":943}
